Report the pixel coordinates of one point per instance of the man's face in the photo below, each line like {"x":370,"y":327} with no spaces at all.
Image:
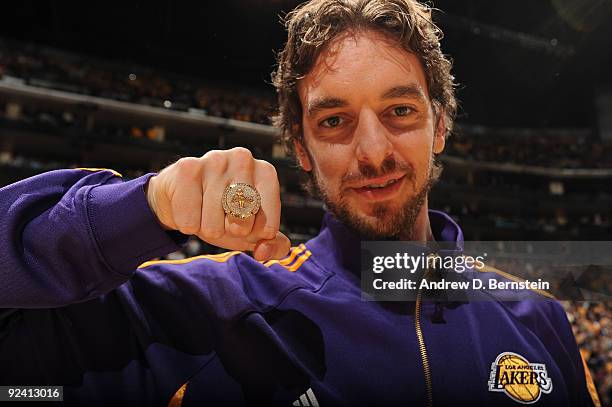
{"x":369,"y":133}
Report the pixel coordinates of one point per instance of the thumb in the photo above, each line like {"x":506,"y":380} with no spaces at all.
{"x":276,"y":248}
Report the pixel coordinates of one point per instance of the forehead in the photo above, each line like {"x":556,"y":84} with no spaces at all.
{"x":361,"y":65}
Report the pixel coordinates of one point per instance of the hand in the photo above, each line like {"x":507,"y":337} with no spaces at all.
{"x":186,"y":196}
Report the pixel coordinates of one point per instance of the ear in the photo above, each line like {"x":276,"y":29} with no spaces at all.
{"x":302,"y":156}
{"x":439,"y":136}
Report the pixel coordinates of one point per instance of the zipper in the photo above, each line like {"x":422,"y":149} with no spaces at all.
{"x":422,"y":348}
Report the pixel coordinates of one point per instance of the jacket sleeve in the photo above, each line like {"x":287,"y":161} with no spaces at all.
{"x":68,"y":236}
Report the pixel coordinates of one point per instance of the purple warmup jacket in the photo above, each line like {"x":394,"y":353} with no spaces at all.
{"x":79,"y":308}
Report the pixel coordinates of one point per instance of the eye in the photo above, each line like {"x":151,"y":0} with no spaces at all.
{"x":331,"y":122}
{"x":401,"y":111}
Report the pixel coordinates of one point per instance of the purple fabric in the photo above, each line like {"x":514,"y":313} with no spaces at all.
{"x":68,"y":236}
{"x":117,"y":212}
{"x":237,"y":331}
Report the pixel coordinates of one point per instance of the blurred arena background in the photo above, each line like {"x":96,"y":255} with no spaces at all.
{"x":134,"y":86}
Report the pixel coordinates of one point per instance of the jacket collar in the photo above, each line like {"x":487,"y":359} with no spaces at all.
{"x":338,"y":245}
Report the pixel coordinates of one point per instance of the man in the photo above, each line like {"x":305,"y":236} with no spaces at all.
{"x":366,"y":102}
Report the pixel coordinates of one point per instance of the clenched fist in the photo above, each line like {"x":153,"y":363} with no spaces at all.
{"x":187,"y":196}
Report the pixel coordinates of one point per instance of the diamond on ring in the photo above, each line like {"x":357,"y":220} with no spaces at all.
{"x":241,"y":200}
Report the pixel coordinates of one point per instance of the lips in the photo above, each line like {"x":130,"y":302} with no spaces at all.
{"x":381,"y":185}
{"x":380,"y":181}
{"x":379,"y":189}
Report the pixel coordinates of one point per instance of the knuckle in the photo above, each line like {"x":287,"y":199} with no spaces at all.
{"x":187,"y":165}
{"x":212,"y":153}
{"x":241,"y":153}
{"x":215,"y":160}
{"x":268,"y":170}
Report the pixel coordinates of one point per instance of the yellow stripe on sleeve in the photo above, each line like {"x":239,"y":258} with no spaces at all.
{"x":300,"y":261}
{"x":589,"y":383}
{"x":219,"y":258}
{"x":177,"y":399}
{"x":298,"y":254}
{"x":489,"y":269}
{"x":100,"y":169}
{"x":287,"y":260}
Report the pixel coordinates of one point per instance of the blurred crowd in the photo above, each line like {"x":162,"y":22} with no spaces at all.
{"x":549,"y":225}
{"x":592,"y":326}
{"x":45,"y":67}
{"x":541,"y":150}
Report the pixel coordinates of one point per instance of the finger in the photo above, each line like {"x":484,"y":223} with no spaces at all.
{"x":187,"y":207}
{"x":186,"y":196}
{"x":213,"y":217}
{"x":233,"y":243}
{"x":263,"y":250}
{"x":267,"y":220}
{"x":241,"y":167}
{"x":276,"y":248}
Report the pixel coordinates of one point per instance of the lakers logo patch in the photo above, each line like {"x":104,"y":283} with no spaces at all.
{"x":522,"y":381}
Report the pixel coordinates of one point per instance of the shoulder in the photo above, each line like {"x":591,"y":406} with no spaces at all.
{"x":533,"y":306}
{"x":506,"y":286}
{"x":530,"y":302}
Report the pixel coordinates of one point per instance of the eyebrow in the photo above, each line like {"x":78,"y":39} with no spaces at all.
{"x":410,"y":91}
{"x":325,"y":103}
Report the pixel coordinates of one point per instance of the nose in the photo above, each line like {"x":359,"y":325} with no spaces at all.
{"x":373,"y":144}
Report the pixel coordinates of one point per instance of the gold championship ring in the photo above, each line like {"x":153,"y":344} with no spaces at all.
{"x":241,"y":200}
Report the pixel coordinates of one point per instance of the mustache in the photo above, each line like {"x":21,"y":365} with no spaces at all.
{"x":388,"y":166}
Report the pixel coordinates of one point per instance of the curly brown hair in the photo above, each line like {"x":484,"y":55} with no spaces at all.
{"x":314,"y":24}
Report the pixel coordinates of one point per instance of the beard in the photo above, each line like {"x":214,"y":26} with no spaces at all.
{"x":389,"y":223}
